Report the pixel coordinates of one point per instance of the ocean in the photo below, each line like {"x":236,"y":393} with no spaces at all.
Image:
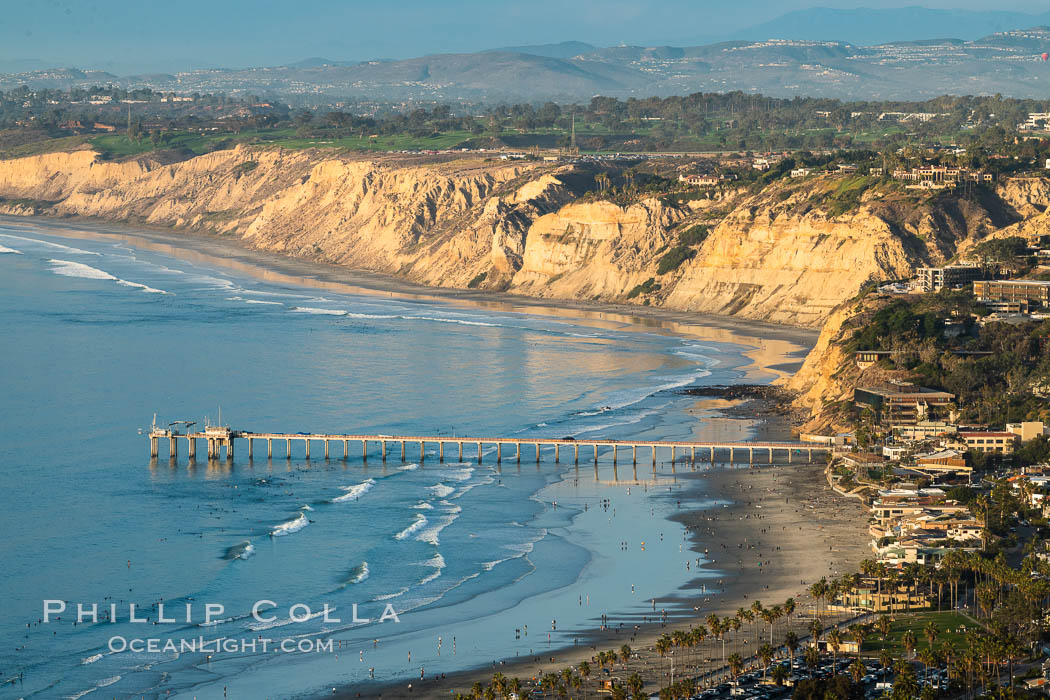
{"x":476,"y":562}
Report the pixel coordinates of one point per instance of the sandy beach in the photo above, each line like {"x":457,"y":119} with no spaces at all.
{"x":781,"y":530}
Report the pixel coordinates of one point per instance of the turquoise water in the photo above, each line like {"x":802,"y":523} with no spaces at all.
{"x":100,"y":334}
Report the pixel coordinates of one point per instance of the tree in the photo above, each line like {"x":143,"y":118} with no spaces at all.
{"x":765,"y":652}
{"x":791,"y":643}
{"x":857,"y":671}
{"x":884,"y":626}
{"x":930,"y":632}
{"x":834,"y":638}
{"x":812,"y":658}
{"x":625,"y":654}
{"x":736,"y":665}
{"x":905,"y":685}
{"x":909,"y":641}
{"x":815,"y":630}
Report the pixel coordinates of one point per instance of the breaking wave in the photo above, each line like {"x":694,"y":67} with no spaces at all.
{"x":419,"y":524}
{"x":355,"y":492}
{"x":68,"y":268}
{"x":294,"y":525}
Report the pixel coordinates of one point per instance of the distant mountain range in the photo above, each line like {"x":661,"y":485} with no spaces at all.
{"x":865,"y":26}
{"x":817,"y":52}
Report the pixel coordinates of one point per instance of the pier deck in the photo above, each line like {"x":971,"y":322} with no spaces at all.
{"x":220,"y":439}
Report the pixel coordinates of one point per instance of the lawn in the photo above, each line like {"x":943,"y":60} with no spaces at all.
{"x":948,"y":624}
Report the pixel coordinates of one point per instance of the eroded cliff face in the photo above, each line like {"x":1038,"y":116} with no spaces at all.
{"x":526,"y":228}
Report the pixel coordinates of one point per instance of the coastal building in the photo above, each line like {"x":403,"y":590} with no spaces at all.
{"x":934,"y":279}
{"x":942,"y":461}
{"x":902,"y":403}
{"x":867,"y":358}
{"x":872,"y":595}
{"x":924,"y":430}
{"x":1034,"y":292}
{"x":1028,"y":430}
{"x":989,"y":441}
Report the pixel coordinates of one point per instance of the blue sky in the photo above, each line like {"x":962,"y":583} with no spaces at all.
{"x":125,"y":35}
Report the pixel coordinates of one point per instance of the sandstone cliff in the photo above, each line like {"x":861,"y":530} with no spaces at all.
{"x":793,"y":252}
{"x":780,"y":254}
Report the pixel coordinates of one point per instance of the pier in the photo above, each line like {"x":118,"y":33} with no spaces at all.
{"x":219,"y":443}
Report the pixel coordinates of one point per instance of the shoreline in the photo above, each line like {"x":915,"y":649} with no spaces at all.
{"x":771,"y":566}
{"x":772,"y":350}
{"x":778,"y":350}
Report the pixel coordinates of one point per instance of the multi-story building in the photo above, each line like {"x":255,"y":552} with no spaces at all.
{"x":934,"y":279}
{"x":988,"y":441}
{"x":1034,"y":292}
{"x":902,"y":403}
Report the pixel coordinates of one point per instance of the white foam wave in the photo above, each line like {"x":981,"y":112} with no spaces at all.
{"x":452,"y":507}
{"x":355,"y":492}
{"x":430,"y":535}
{"x":459,"y":474}
{"x":12,"y":251}
{"x":388,"y":596}
{"x":69,"y":268}
{"x":283,"y":621}
{"x":91,"y":659}
{"x":56,"y":246}
{"x":318,"y":312}
{"x":423,"y":505}
{"x":294,"y":525}
{"x":260,"y":301}
{"x":107,"y":682}
{"x":630,"y":397}
{"x":419,"y":524}
{"x":441,"y":490}
{"x":480,"y":482}
{"x":359,"y":573}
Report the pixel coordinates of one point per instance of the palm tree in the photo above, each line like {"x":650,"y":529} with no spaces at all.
{"x":736,"y":664}
{"x":905,"y":685}
{"x":948,"y":652}
{"x":834,"y":638}
{"x":765,"y":652}
{"x":928,"y":658}
{"x":886,"y":660}
{"x":789,"y":610}
{"x":883,"y":625}
{"x":767,"y":617}
{"x":858,"y":633}
{"x":857,"y":670}
{"x":815,"y":630}
{"x":930,"y":632}
{"x":909,"y":641}
{"x":625,"y":654}
{"x":791,"y":643}
{"x":499,"y":684}
{"x":812,"y":658}
{"x":780,"y":674}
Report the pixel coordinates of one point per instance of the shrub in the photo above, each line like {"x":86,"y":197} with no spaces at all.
{"x":650,"y":285}
{"x":673,"y":259}
{"x":694,"y":236}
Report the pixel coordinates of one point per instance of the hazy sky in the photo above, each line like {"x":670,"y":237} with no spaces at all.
{"x":117,"y":35}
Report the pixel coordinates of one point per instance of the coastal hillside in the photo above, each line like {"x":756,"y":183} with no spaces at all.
{"x":787,"y":251}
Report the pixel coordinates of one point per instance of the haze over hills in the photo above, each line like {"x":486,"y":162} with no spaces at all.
{"x":866,"y":26}
{"x":809,"y":56}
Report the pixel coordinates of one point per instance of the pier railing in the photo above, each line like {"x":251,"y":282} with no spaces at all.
{"x":219,"y":440}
